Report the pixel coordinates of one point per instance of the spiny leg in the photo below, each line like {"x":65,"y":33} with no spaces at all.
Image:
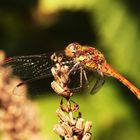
{"x":85,"y":76}
{"x":82,"y":73}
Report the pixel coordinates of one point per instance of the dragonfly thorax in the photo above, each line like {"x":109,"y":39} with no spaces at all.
{"x":86,"y":56}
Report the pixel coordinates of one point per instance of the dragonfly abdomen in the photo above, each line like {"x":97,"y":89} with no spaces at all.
{"x":107,"y":69}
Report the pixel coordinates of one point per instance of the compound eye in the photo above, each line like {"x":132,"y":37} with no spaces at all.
{"x":74,"y":47}
{"x":71,"y":49}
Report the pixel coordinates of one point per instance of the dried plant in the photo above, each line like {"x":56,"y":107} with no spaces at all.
{"x":18,"y":120}
{"x":69,"y":128}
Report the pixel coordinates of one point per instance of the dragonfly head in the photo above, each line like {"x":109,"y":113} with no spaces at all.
{"x":72,"y":49}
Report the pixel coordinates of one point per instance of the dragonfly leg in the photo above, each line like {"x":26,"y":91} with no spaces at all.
{"x":74,"y":68}
{"x":83,"y":77}
{"x":83,"y":73}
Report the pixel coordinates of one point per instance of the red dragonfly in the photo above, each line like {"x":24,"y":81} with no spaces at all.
{"x":86,"y":57}
{"x":77,"y":58}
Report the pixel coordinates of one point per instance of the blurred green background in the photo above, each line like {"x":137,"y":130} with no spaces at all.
{"x":113,"y":26}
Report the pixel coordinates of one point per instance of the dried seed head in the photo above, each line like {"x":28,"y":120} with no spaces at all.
{"x":80,"y":124}
{"x":58,"y":129}
{"x":87,"y":136}
{"x":72,"y":120}
{"x":88,"y":126}
{"x":75,"y":137}
{"x":54,"y":57}
{"x":70,"y":128}
{"x":57,"y":88}
{"x":62,"y":116}
{"x":68,"y":138}
{"x":67,"y":128}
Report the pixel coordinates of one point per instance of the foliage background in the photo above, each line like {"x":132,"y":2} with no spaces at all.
{"x":113,"y":26}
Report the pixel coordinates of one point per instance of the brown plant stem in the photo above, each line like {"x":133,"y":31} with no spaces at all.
{"x":69,"y":127}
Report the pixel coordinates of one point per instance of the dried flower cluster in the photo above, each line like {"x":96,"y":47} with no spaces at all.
{"x":70,"y":128}
{"x":60,"y":73}
{"x":18,"y":119}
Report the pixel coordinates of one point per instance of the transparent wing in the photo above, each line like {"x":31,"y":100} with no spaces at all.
{"x":32,"y":66}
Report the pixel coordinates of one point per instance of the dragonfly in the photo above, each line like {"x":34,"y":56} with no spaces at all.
{"x":91,"y":58}
{"x":79,"y":58}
